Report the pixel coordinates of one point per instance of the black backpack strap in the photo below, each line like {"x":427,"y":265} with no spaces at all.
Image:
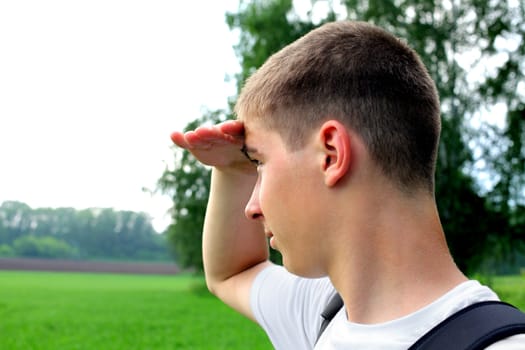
{"x":474,"y":327}
{"x":334,"y":305}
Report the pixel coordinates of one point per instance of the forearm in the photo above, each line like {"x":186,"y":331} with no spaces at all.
{"x":231,"y":242}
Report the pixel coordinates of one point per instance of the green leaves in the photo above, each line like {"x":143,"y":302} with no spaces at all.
{"x":188,"y":184}
{"x":70,"y":233}
{"x":474,"y":51}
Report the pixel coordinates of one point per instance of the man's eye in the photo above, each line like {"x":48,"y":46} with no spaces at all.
{"x":253,"y":160}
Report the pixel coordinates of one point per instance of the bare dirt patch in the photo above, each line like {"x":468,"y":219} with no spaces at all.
{"x":88,"y":266}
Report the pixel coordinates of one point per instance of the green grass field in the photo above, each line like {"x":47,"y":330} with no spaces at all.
{"x":511,"y":289}
{"x":45,"y":310}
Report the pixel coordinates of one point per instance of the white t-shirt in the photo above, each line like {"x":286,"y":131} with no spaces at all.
{"x":288,"y":308}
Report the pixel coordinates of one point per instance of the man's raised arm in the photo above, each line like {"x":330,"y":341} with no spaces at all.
{"x":234,"y":247}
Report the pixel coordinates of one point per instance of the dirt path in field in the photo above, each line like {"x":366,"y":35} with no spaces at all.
{"x":88,"y":266}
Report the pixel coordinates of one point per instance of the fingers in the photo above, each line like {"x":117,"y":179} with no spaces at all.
{"x":196,"y":139}
{"x":232,"y":127}
{"x":191,"y":140}
{"x":228,"y":132}
{"x":178,"y":138}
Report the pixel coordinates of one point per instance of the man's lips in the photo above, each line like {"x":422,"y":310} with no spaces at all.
{"x":271,"y":238}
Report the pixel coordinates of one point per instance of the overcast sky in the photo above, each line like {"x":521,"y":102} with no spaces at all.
{"x":91,"y":90}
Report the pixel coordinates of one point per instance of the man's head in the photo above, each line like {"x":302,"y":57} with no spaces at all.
{"x":361,"y":76}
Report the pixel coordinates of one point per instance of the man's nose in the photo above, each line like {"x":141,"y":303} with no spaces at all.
{"x":253,"y":209}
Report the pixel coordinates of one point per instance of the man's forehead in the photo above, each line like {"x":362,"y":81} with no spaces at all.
{"x":250,"y":125}
{"x":255,"y":136}
{"x":250,"y":140}
{"x":251,"y":129}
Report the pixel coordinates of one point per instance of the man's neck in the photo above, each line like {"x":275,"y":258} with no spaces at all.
{"x":393,"y":258}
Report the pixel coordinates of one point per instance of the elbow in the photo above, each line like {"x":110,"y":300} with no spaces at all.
{"x":211,"y":287}
{"x":212,"y":284}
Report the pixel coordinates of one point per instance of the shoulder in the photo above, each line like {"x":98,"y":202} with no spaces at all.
{"x":276,"y":280}
{"x":289,"y":307}
{"x":516,"y":342}
{"x":275,"y":285}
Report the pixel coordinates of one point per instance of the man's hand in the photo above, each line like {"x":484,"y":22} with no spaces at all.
{"x":218,"y":145}
{"x":234,"y":247}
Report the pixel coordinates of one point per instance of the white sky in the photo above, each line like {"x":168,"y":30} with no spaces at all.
{"x":91,"y":90}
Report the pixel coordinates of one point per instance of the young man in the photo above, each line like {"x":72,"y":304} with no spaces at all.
{"x":339,"y":134}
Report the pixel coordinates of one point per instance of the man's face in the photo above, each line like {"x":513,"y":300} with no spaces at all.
{"x":285,"y":198}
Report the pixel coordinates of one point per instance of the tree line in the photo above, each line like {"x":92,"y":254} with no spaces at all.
{"x":475,"y":52}
{"x":95,"y":233}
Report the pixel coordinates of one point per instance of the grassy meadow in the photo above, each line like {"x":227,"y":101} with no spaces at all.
{"x":510,"y":289}
{"x":46,"y":310}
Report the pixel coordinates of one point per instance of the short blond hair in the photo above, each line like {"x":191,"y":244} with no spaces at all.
{"x":363,"y":76}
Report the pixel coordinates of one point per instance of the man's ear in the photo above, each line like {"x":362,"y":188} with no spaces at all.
{"x":335,"y":143}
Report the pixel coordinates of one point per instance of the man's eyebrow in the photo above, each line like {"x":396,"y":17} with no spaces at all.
{"x":246,"y":150}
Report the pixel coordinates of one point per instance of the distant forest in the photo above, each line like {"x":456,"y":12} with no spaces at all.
{"x":95,"y":233}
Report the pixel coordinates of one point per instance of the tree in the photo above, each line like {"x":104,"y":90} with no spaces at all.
{"x":188,"y":184}
{"x":93,"y":233}
{"x":42,"y":247}
{"x":265,"y":28}
{"x":478,"y":220}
